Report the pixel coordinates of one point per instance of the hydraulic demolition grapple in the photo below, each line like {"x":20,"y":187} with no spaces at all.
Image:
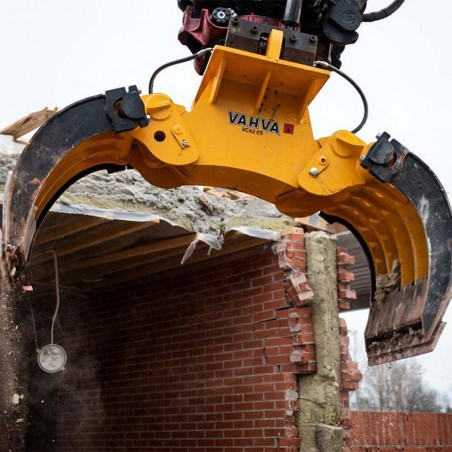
{"x":249,"y":130}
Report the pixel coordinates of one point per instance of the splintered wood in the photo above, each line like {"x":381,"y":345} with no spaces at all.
{"x":28,"y":123}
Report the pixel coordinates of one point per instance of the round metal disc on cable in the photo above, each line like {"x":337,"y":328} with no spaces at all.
{"x":52,"y":358}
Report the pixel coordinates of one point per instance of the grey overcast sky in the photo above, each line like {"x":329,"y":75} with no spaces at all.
{"x":54,"y":52}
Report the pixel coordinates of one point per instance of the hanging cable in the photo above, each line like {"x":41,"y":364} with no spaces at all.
{"x":383,"y":13}
{"x":173,"y":63}
{"x":57,"y":291}
{"x":326,"y":65}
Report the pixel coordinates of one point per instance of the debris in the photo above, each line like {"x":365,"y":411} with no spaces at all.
{"x":230,"y":194}
{"x":205,"y":202}
{"x":385,"y":283}
{"x":213,"y":242}
{"x":28,"y":123}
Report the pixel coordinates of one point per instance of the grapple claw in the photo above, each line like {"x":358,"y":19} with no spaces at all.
{"x":407,"y":321}
{"x":57,"y":156}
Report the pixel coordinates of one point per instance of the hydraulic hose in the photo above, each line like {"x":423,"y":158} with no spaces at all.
{"x":383,"y":13}
{"x":172,"y":63}
{"x":326,"y":65}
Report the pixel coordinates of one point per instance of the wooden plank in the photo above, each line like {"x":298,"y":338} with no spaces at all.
{"x":132,"y":253}
{"x":162,"y":231}
{"x":28,"y":123}
{"x":165,"y":263}
{"x":66,"y":226}
{"x":101,"y":234}
{"x":126,"y":259}
{"x":103,"y":266}
{"x":122,"y":260}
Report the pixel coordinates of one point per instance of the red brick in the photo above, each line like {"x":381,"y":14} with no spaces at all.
{"x":352,"y":376}
{"x":344,"y":275}
{"x":349,"y":366}
{"x":347,"y":294}
{"x":292,"y":234}
{"x":275,"y":341}
{"x":289,"y":263}
{"x":294,"y":246}
{"x":264,"y":316}
{"x":343,"y":330}
{"x":290,"y":442}
{"x":345,"y":259}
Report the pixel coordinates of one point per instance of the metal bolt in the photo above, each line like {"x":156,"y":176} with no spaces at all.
{"x":254,"y":29}
{"x":293,"y":38}
{"x":235,"y":20}
{"x":185,"y":144}
{"x":314,"y":172}
{"x":312,"y":39}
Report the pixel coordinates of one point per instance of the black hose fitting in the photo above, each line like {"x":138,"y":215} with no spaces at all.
{"x":292,"y":13}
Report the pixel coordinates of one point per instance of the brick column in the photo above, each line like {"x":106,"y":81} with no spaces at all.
{"x":288,"y":334}
{"x":350,"y":374}
{"x":292,"y":335}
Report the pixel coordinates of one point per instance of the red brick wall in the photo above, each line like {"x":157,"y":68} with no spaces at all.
{"x":201,"y":358}
{"x":409,"y":432}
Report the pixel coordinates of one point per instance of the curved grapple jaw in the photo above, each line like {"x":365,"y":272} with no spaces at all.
{"x":258,"y":139}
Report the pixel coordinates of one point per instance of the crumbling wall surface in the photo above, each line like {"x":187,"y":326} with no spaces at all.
{"x":13,"y":401}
